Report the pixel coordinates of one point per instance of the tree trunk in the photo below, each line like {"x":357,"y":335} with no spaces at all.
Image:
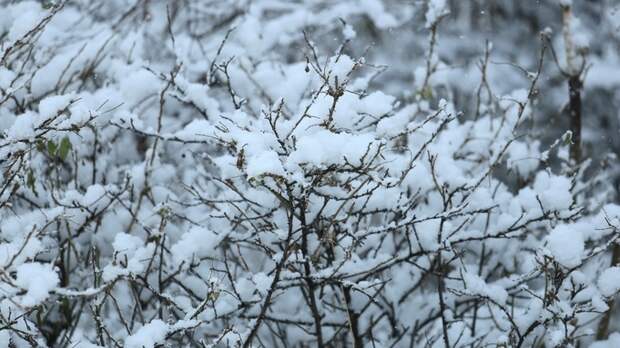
{"x":574,"y":91}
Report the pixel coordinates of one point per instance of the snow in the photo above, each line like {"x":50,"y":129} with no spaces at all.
{"x":523,"y":158}
{"x":198,"y":94}
{"x":376,"y":11}
{"x":609,"y":281}
{"x":19,"y":249}
{"x":126,"y":244}
{"x":348,"y":32}
{"x":26,"y":16}
{"x":197,"y":242}
{"x":324,"y":148}
{"x":6,"y":76}
{"x":339,"y":69}
{"x":129,"y":249}
{"x":436,"y":9}
{"x":51,"y":106}
{"x":94,"y":196}
{"x":138,"y":85}
{"x":477,"y":285}
{"x":377,"y":104}
{"x":148,"y":336}
{"x":611,"y":342}
{"x":24,"y":126}
{"x":581,"y":39}
{"x":394,"y":147}
{"x":553,"y":191}
{"x":265,"y":163}
{"x":566,"y":245}
{"x":263,"y":282}
{"x":397,"y":123}
{"x":38,"y":280}
{"x":426,"y":234}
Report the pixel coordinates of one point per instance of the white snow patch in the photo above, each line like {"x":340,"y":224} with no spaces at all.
{"x":566,"y":245}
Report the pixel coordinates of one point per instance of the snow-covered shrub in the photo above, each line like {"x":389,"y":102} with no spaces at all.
{"x":206,"y":173}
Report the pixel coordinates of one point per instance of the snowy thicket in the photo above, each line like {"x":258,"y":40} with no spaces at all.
{"x":271,"y":173}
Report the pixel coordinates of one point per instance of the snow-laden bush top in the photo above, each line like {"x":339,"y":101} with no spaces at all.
{"x":226,"y":174}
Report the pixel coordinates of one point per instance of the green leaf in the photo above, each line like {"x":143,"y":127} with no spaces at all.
{"x":567,"y":138}
{"x":65,"y":146}
{"x":30,"y":180}
{"x":51,"y":148}
{"x":213,"y":295}
{"x":40,"y":145}
{"x":427,"y":93}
